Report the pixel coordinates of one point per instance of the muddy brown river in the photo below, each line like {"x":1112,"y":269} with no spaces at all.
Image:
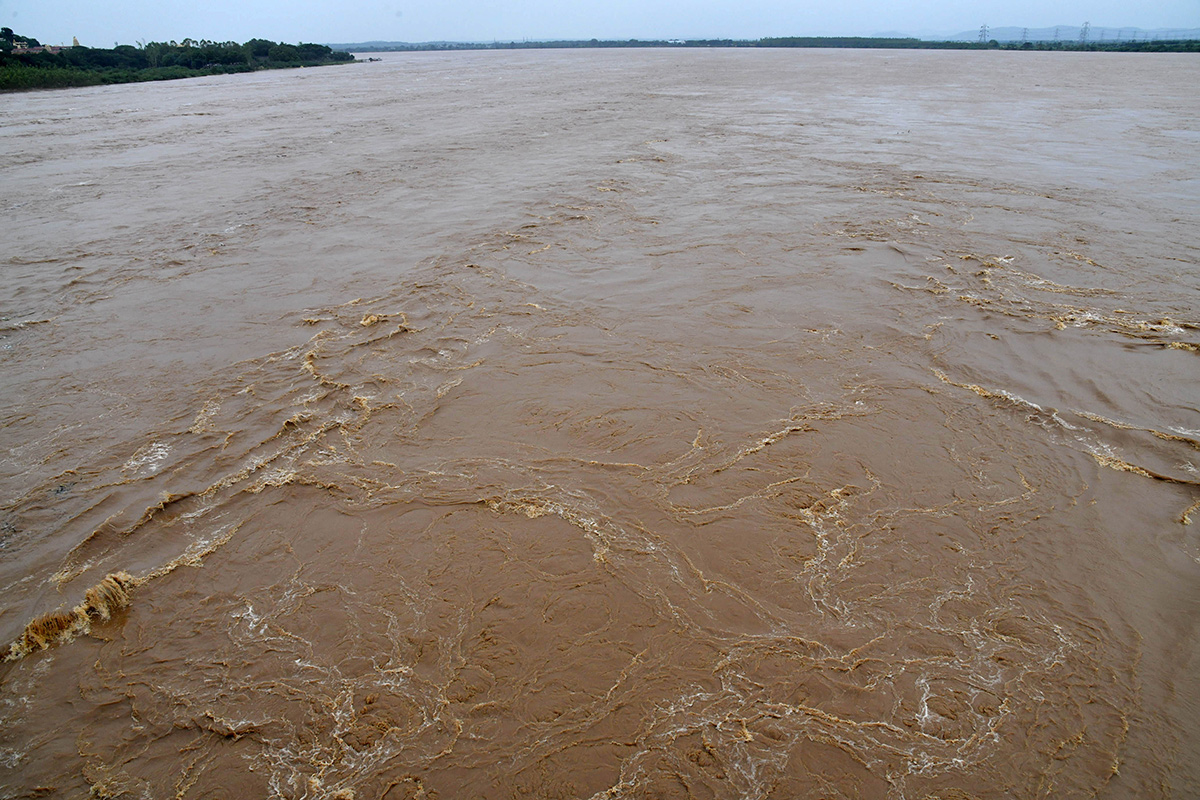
{"x":605,"y":424}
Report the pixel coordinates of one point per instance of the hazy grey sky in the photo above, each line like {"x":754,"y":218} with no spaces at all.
{"x":100,"y":23}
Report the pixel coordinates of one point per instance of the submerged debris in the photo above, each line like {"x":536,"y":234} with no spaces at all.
{"x":100,"y":601}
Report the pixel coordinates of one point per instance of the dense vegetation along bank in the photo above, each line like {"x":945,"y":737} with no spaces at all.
{"x":26,"y":64}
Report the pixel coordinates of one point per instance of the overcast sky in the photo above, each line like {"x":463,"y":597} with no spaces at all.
{"x":100,"y":23}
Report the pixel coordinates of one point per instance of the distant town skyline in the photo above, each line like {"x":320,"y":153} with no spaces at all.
{"x":101,"y":23}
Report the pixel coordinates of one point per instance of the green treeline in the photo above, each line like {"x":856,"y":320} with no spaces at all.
{"x":155,"y":61}
{"x":1175,"y":46}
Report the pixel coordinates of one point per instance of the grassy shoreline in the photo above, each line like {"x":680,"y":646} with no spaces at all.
{"x":17,"y":78}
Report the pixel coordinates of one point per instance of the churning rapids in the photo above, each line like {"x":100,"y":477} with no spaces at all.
{"x":605,"y":424}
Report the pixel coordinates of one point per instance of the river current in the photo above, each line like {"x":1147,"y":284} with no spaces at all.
{"x":605,"y":424}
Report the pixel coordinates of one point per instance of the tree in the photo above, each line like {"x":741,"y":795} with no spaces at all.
{"x":313,"y":52}
{"x":154,"y":53}
{"x":258,"y":48}
{"x":284,"y":52}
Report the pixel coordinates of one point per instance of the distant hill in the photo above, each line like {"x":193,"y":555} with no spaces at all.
{"x":378,"y":45}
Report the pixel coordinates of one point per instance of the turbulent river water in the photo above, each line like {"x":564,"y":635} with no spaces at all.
{"x":605,"y":424}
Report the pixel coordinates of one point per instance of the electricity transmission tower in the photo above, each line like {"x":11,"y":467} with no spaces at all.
{"x":1083,"y":32}
{"x":983,"y":34}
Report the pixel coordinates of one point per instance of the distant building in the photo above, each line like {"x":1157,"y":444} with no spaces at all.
{"x":21,"y":47}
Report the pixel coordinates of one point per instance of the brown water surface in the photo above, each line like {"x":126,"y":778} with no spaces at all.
{"x":715,"y":424}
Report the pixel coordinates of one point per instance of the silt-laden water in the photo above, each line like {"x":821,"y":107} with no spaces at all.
{"x":605,"y":424}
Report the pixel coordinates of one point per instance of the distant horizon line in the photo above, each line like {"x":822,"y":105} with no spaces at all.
{"x":999,"y":32}
{"x":1068,"y":32}
{"x":923,"y":36}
